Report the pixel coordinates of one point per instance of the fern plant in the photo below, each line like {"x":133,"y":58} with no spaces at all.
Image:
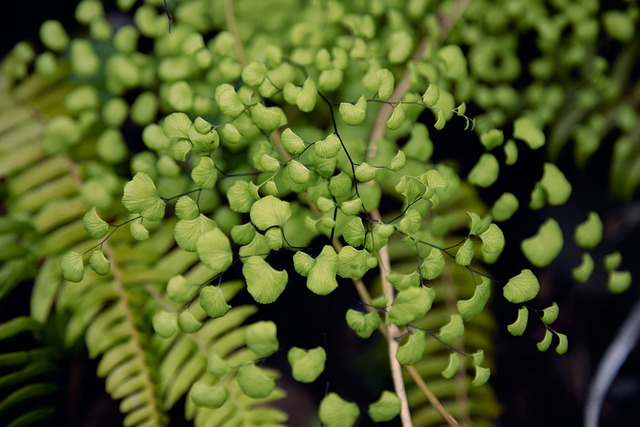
{"x":296,"y":150}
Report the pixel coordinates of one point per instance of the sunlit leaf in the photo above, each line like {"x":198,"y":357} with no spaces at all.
{"x":213,"y":302}
{"x":411,"y":348}
{"x":543,"y":247}
{"x":269,"y":212}
{"x":254,"y":381}
{"x":485,"y":172}
{"x":545,"y":343}
{"x":453,"y":366}
{"x":410,"y":304}
{"x":453,"y":330}
{"x":521,"y":288}
{"x":550,"y":314}
{"x":386,"y":408}
{"x":261,"y":338}
{"x":337,"y":412}
{"x":99,"y":263}
{"x":264,"y":283}
{"x":588,"y":234}
{"x":526,"y":130}
{"x":208,"y":396}
{"x":582,"y":272}
{"x":619,"y":281}
{"x":517,"y":328}
{"x":214,"y":250}
{"x":306,"y":365}
{"x":353,"y":114}
{"x":95,"y":226}
{"x":188,"y":231}
{"x":72,"y":266}
{"x":363,"y":324}
{"x":141,"y":197}
{"x":470,"y":308}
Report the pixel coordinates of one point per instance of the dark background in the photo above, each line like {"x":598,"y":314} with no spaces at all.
{"x":536,"y":389}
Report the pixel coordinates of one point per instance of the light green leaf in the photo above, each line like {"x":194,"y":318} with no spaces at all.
{"x":165,"y":324}
{"x":439,"y":124}
{"x":213,"y":302}
{"x":363,"y":324}
{"x":504,"y":208}
{"x":208,"y":396}
{"x":410,"y":222}
{"x":216,"y":365}
{"x":481,"y":377}
{"x":478,"y":225}
{"x":510,"y":152}
{"x":353,"y":114}
{"x":72,"y":266}
{"x":306,"y":98}
{"x":478,"y":357}
{"x":453,"y":366}
{"x":269,"y":212}
{"x":322,"y":277}
{"x":354,"y":232}
{"x":255,"y":382}
{"x":365,"y":172}
{"x":243,"y":234}
{"x":398,"y":161}
{"x":563,"y":343}
{"x":188,"y":323}
{"x":397,"y":117}
{"x":431,"y":96}
{"x":303,"y":263}
{"x":180,"y":290}
{"x":411,"y":348}
{"x":298,"y":172}
{"x":550,"y":314}
{"x":205,"y":174}
{"x":254,"y":73}
{"x":555,"y":185}
{"x":545,"y":343}
{"x":141,"y":197}
{"x":214,"y":250}
{"x":433,"y":265}
{"x":582,"y":272}
{"x":240,"y":197}
{"x":619,"y":281}
{"x":138,"y":230}
{"x":257,"y":246}
{"x":410,"y":304}
{"x":526,"y":130}
{"x":187,"y":208}
{"x":386,"y":83}
{"x":521,"y":288}
{"x":306,"y":365}
{"x":485,"y":172}
{"x":176,"y":125}
{"x":543,"y":247}
{"x":517,"y":328}
{"x":267,"y":119}
{"x":228,"y":100}
{"x":589,"y":233}
{"x":95,"y":226}
{"x":337,"y":412}
{"x":261,"y":338}
{"x":492,"y":240}
{"x":492,"y":139}
{"x":264,"y":283}
{"x":99,"y":263}
{"x":612,"y":261}
{"x":292,"y":142}
{"x":464,"y":255}
{"x":354,"y":263}
{"x":470,"y":308}
{"x":187,"y":231}
{"x":268,"y":163}
{"x":351,"y":207}
{"x":404,"y":281}
{"x":386,"y":408}
{"x":453,"y":330}
{"x":327,"y":148}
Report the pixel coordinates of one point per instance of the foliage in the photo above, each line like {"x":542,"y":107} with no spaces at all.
{"x":284,"y":148}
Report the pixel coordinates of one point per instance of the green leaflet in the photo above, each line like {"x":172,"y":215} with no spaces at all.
{"x":351,"y":207}
{"x":365,"y":172}
{"x":165,"y":324}
{"x":550,"y":314}
{"x":386,"y":83}
{"x":433,"y":265}
{"x":264,"y":283}
{"x":72,"y":266}
{"x":254,"y":73}
{"x":612,"y":261}
{"x":353,"y":114}
{"x":492,"y":240}
{"x":205,"y":174}
{"x":176,"y":125}
{"x":563,"y":343}
{"x":298,"y":172}
{"x":363,"y":324}
{"x":214,"y":250}
{"x":464,"y":255}
{"x":396,"y":119}
{"x":187,"y":208}
{"x":481,"y":377}
{"x":188,"y":231}
{"x":208,"y":396}
{"x":543,"y":247}
{"x":141,"y":197}
{"x":411,"y":348}
{"x":213,"y":302}
{"x":404,"y":281}
{"x":188,"y":323}
{"x":478,"y":225}
{"x":261,"y":338}
{"x":582,"y":272}
{"x":99,"y":263}
{"x":180,"y":290}
{"x":328,"y":147}
{"x":354,"y":263}
{"x":241,"y":197}
{"x":555,"y":185}
{"x":589,"y":233}
{"x":492,"y":139}
{"x":292,"y":142}
{"x":216,"y":365}
{"x":95,"y":226}
{"x":504,"y":208}
{"x":228,"y":101}
{"x":386,"y":408}
{"x":269,"y":212}
{"x":517,"y":328}
{"x":453,"y":330}
{"x":431,"y":96}
{"x":521,"y":288}
{"x":306,"y":365}
{"x":410,"y":222}
{"x":619,"y":281}
{"x":485,"y":172}
{"x":453,"y":366}
{"x":545,"y":343}
{"x":254,"y":381}
{"x":410,"y":304}
{"x":267,"y":119}
{"x":337,"y":412}
{"x":321,"y":277}
{"x":526,"y":130}
{"x":470,"y":308}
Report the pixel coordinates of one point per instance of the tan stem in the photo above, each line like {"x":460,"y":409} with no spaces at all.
{"x":233,"y":29}
{"x":432,"y":397}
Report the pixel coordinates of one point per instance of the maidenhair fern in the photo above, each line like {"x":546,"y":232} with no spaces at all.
{"x":288,"y":144}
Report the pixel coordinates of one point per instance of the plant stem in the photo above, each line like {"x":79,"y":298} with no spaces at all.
{"x":233,"y":28}
{"x":432,"y":397}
